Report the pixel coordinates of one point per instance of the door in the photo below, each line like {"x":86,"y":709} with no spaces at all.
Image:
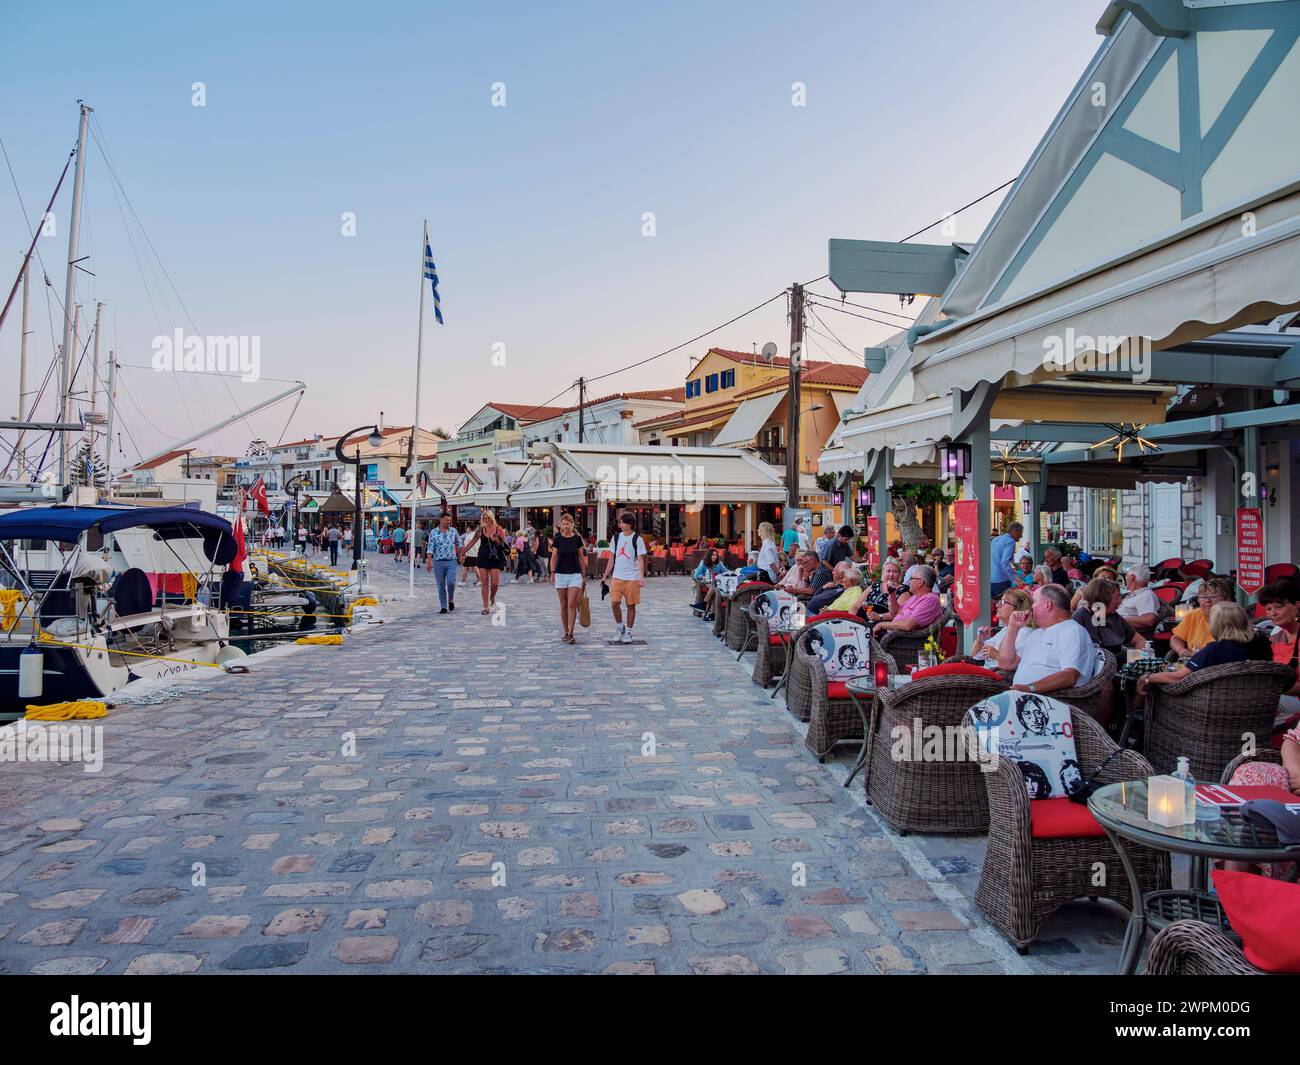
{"x":1166,"y":522}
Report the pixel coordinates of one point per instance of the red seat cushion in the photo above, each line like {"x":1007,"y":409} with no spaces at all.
{"x":1061,"y":819}
{"x":775,"y":641}
{"x":837,"y":689}
{"x":956,"y":669}
{"x":1266,"y":914}
{"x":834,"y":615}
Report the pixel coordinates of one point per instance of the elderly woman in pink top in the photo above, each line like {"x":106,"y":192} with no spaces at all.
{"x":922,"y":608}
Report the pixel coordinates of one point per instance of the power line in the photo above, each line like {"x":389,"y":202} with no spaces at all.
{"x":833,"y":334}
{"x":862,"y":306}
{"x":866,"y":317}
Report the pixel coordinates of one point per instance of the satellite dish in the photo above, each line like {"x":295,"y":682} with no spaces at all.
{"x":769,"y":351}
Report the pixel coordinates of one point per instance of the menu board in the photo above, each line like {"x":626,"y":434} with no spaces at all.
{"x":873,"y":544}
{"x":966,"y":564}
{"x":1250,"y":549}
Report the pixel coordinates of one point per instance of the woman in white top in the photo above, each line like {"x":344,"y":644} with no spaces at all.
{"x":767,"y":559}
{"x":986,"y":646}
{"x":470,"y":566}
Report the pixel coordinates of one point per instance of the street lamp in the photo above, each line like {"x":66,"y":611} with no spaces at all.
{"x":374,"y":440}
{"x":294,"y":485}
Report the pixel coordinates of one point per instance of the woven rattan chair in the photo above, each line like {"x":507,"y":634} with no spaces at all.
{"x":769,"y":657}
{"x":1086,"y":697}
{"x":1264,"y":754}
{"x":916,"y":795}
{"x":905,"y":647}
{"x":719,"y":615}
{"x":1025,"y":880}
{"x":739,"y":620}
{"x":798,"y":685}
{"x":1208,"y":714}
{"x":1194,"y":948}
{"x":832,"y":716}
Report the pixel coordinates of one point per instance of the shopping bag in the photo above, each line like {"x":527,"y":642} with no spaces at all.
{"x":584,"y":610}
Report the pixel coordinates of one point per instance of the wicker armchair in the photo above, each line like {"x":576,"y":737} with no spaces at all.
{"x":739,"y":621}
{"x":769,"y":657}
{"x":916,"y":795}
{"x":1025,"y":880}
{"x":833,"y":717}
{"x":905,"y":647}
{"x":1264,"y":754}
{"x":1085,"y":697}
{"x":719,"y":615}
{"x":1194,"y":948}
{"x":1207,"y":714}
{"x":799,"y":686}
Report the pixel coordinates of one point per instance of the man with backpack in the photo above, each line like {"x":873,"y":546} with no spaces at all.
{"x":627,"y":565}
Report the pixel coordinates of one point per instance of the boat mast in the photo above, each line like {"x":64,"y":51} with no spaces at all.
{"x":69,"y":291}
{"x":108,"y":428}
{"x":22,"y":370}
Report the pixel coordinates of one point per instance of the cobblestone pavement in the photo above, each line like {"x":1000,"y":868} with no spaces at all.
{"x":498,"y":815}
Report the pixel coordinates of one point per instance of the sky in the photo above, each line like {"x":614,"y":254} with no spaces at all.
{"x":229,"y":218}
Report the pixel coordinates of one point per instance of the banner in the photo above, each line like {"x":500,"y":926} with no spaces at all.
{"x":966,"y":566}
{"x":873,"y":544}
{"x":1250,"y":549}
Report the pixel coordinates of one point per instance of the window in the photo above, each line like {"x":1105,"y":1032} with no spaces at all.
{"x":711,"y":383}
{"x":728,"y":378}
{"x":1105,"y":528}
{"x":692,"y":388}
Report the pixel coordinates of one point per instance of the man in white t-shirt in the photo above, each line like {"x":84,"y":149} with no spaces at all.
{"x":627,"y":564}
{"x":1056,"y":655}
{"x":1140,"y":607}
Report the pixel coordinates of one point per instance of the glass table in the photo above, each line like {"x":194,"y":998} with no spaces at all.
{"x":1121,"y":811}
{"x":862,"y":691}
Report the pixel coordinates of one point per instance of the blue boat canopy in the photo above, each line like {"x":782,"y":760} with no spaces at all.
{"x":66,"y":524}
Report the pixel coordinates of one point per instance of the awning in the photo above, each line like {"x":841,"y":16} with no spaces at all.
{"x":1210,"y":280}
{"x":748,"y":419}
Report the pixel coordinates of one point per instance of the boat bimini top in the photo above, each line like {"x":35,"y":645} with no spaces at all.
{"x":66,"y":524}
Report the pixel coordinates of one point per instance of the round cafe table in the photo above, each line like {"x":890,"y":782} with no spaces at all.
{"x":1121,"y":811}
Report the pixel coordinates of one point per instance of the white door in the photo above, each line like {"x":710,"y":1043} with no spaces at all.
{"x":1166,"y":522}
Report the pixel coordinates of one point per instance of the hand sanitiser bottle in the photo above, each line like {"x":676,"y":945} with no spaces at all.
{"x":1184,"y":773}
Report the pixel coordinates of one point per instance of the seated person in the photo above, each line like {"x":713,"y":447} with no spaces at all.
{"x":876,"y":602}
{"x":1055,"y":563}
{"x":847,"y":600}
{"x":988,"y":641}
{"x":1232,"y":640}
{"x":922,"y":608}
{"x":1281,"y":602}
{"x":829,"y":591}
{"x":1101,"y":571}
{"x":822,"y":575}
{"x":943,"y":568}
{"x":798,"y":578}
{"x":1140,"y":607}
{"x":1057,"y":654}
{"x":1193,"y":632}
{"x":1098,"y":612}
{"x":705,"y":593}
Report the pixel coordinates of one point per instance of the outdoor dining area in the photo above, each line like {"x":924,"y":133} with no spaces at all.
{"x":913,"y":714}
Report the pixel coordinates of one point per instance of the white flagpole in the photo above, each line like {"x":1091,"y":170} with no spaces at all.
{"x":415,"y":425}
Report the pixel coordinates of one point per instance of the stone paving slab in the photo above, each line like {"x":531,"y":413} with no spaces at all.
{"x":458,"y":793}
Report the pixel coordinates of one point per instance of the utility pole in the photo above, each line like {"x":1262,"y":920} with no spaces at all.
{"x":793,"y":399}
{"x":69,"y":291}
{"x":582,"y":398}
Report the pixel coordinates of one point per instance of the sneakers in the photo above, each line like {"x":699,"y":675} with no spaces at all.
{"x":626,"y":635}
{"x":451,"y":605}
{"x":443,"y":610}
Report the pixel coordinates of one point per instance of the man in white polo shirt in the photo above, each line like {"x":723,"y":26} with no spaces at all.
{"x":1140,"y":607}
{"x":1057,"y":654}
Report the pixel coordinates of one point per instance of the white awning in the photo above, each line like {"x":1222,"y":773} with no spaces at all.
{"x":1206,"y":282}
{"x":747,"y":420}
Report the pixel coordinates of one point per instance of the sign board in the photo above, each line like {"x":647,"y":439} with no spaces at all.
{"x":1250,"y":549}
{"x":873,"y":544}
{"x":966,"y":565}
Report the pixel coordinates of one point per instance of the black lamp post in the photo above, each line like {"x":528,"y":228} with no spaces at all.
{"x":374,"y":440}
{"x":294,"y":486}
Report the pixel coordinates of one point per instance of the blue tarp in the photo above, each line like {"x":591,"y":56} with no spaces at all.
{"x":66,"y":524}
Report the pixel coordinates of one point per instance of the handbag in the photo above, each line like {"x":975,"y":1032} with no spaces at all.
{"x":584,"y":609}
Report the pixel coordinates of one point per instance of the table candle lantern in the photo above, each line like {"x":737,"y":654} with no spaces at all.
{"x":1182,"y":611}
{"x":882,"y":673}
{"x":1166,"y":802}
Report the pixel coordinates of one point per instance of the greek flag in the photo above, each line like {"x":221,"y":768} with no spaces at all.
{"x":431,"y":273}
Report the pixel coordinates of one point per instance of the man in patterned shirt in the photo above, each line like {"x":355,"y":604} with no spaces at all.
{"x":444,"y":542}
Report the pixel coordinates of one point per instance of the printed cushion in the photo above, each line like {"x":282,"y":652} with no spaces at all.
{"x":725,"y":582}
{"x":1037,"y":733}
{"x":843,"y":646}
{"x":1061,"y":819}
{"x":779,"y":607}
{"x":1266,"y":914}
{"x":956,"y":669}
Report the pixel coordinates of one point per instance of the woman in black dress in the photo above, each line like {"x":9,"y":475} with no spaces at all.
{"x":492,"y":556}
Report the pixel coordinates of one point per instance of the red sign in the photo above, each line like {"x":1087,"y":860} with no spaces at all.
{"x":966,"y":566}
{"x":873,"y":543}
{"x":1250,"y":549}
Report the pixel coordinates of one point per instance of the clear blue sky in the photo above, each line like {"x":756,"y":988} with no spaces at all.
{"x":384,"y":109}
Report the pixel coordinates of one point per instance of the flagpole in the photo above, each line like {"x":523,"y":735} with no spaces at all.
{"x":415,"y":425}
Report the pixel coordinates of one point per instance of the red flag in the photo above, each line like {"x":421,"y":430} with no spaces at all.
{"x":241,"y":551}
{"x":258,"y":492}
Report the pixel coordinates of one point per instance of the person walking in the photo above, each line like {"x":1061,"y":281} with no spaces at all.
{"x":541,"y":556}
{"x":627,"y":565}
{"x":444,"y":550}
{"x":334,"y":537}
{"x":302,"y":540}
{"x":566,"y":561}
{"x":1001,"y":552}
{"x":420,"y":547}
{"x":767,"y":556}
{"x":468,"y":557}
{"x":399,"y":542}
{"x":493,"y":554}
{"x":347,"y":538}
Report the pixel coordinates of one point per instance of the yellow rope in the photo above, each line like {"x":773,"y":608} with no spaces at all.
{"x":366,"y":600}
{"x":320,"y":640}
{"x":289,"y":614}
{"x":83,"y":708}
{"x":46,"y":641}
{"x":9,"y":600}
